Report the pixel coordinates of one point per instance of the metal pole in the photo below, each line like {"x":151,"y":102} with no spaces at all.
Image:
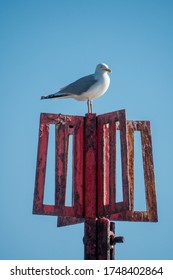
{"x":103,"y":239}
{"x":90,"y":181}
{"x":98,"y":231}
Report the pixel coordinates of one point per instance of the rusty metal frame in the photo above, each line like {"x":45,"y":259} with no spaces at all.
{"x":106,"y":133}
{"x":150,"y":215}
{"x":65,"y":126}
{"x":94,"y":176}
{"x":100,"y":143}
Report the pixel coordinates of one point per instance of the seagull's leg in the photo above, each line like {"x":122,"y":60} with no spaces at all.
{"x":88,"y":104}
{"x":91,"y":107}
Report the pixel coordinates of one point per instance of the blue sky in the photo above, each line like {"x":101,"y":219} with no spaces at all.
{"x":44,"y":45}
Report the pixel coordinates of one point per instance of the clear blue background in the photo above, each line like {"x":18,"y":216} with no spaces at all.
{"x":44,"y":45}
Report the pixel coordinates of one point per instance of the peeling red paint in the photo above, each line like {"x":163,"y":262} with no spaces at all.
{"x":94,"y":176}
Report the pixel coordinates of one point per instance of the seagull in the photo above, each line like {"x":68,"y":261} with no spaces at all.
{"x":86,"y":88}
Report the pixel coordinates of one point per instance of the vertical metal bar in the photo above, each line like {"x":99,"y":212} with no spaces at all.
{"x":106,"y":164}
{"x":103,"y":239}
{"x":41,"y":166}
{"x":112,"y":244}
{"x":90,"y":181}
{"x":131,"y":163}
{"x":61,"y":166}
{"x":100,"y":172}
{"x":78,"y":167}
{"x":90,"y":239}
{"x":112,"y":165}
{"x":90,"y":164}
{"x":124,"y":157}
{"x":149,"y":171}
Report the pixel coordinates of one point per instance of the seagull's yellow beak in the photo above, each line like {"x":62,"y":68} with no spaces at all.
{"x":109,"y":70}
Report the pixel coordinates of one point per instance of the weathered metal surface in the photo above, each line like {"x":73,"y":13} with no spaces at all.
{"x":65,"y":126}
{"x":150,"y":215}
{"x":41,"y":166}
{"x":101,"y":160}
{"x":112,"y":244}
{"x":90,"y":164}
{"x":90,"y":239}
{"x":90,"y":188}
{"x":62,"y":141}
{"x":97,"y":239}
{"x":103,"y":239}
{"x":106,"y":133}
{"x":94,"y":176}
{"x":66,"y":221}
{"x":95,"y":151}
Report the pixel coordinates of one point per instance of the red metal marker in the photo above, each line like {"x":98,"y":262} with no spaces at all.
{"x":94,"y":176}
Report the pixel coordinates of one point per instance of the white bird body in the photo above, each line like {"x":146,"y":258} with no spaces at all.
{"x":86,"y":88}
{"x":96,"y":90}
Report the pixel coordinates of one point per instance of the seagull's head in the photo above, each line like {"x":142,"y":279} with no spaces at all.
{"x":102,"y":68}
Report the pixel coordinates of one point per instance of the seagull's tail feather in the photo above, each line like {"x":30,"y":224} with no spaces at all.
{"x":53,"y":96}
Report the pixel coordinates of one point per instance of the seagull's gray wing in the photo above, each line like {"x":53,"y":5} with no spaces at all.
{"x":79,"y":86}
